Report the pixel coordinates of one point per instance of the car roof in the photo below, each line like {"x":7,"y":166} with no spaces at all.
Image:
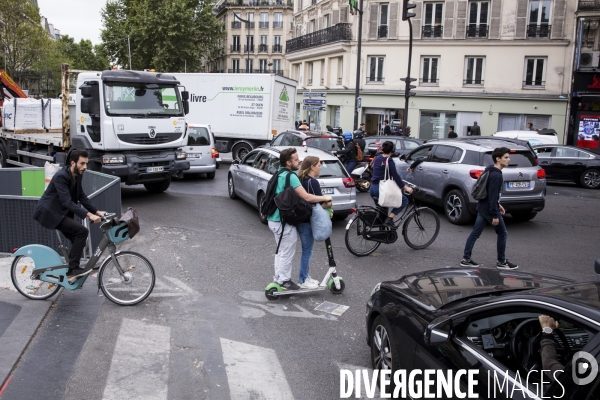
{"x":393,"y":137}
{"x":305,"y":134}
{"x":485,"y":143}
{"x":304,"y":151}
{"x":546,"y":132}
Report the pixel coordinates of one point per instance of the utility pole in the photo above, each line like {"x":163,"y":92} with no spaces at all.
{"x":129,"y":48}
{"x":359,"y":10}
{"x":406,"y":16}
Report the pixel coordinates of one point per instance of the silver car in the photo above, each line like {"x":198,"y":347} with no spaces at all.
{"x":451,"y":168}
{"x":248,"y":178}
{"x":201,"y":151}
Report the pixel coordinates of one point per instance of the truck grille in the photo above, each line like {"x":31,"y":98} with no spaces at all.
{"x":154,"y":164}
{"x":143,"y":138}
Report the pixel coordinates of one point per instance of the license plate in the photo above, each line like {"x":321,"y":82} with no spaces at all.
{"x":326,"y":191}
{"x":193,"y":155}
{"x":155,"y":169}
{"x":511,"y":185}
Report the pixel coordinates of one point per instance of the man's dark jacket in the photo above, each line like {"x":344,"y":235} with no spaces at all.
{"x":475,"y":130}
{"x":489,"y":205}
{"x":61,"y":198}
{"x":387,"y":130}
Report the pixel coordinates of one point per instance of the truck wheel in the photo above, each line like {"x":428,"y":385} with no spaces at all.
{"x":158,"y":187}
{"x":240,"y":150}
{"x":3,"y":156}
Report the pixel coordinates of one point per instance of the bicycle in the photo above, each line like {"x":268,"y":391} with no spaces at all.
{"x":125,"y":277}
{"x":365,"y":231}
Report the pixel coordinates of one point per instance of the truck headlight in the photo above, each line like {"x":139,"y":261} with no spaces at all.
{"x":113,"y":159}
{"x":180,"y":155}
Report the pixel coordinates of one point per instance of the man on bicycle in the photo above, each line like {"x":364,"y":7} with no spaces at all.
{"x":62,"y":200}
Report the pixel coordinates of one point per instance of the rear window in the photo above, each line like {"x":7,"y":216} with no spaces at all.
{"x":332,"y":169}
{"x":519,"y":159}
{"x":198,"y":137}
{"x":325,"y":143}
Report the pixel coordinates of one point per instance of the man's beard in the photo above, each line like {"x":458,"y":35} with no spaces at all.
{"x":76,"y":170}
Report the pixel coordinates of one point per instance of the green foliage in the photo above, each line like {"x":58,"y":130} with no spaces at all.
{"x":83,"y":55}
{"x":168,"y":35}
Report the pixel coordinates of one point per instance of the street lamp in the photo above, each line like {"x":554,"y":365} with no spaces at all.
{"x":358,"y":55}
{"x":247,"y":22}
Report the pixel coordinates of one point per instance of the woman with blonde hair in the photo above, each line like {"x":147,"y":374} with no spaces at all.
{"x":309,"y":170}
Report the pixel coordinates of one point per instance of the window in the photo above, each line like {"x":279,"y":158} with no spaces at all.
{"x":313,"y":25}
{"x":273,"y":165}
{"x":310,"y":73}
{"x":249,"y":160}
{"x":277,"y":67}
{"x":432,"y":25}
{"x":570,"y":153}
{"x":478,"y":17}
{"x":409,"y":144}
{"x":198,"y":137}
{"x":248,"y":65}
{"x":424,"y":152}
{"x":429,"y":70}
{"x":263,"y":47}
{"x":340,"y":71}
{"x":261,"y":162}
{"x":249,"y":44}
{"x":262,"y":65}
{"x":443,"y":154}
{"x":535,"y":72}
{"x":382,"y":30}
{"x":278,"y":20}
{"x":327,"y":21}
{"x":264,"y":20}
{"x":235,"y":46}
{"x":376,"y":69}
{"x":235,"y":65}
{"x":543,"y":152}
{"x":277,"y":44}
{"x":539,"y":18}
{"x":474,"y":67}
{"x":250,"y":18}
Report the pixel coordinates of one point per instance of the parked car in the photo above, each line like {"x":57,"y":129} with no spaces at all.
{"x":487,"y":320}
{"x":248,"y":179}
{"x":543,"y":136}
{"x":452,"y":166}
{"x":322,"y":140}
{"x":403,"y":145}
{"x":571,"y":164}
{"x":201,"y":151}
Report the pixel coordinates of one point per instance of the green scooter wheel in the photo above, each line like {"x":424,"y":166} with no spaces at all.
{"x":271,"y":289}
{"x":333,"y":289}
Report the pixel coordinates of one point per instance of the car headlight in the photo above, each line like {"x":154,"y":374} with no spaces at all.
{"x":113,"y":159}
{"x":376,"y":289}
{"x":180,"y":155}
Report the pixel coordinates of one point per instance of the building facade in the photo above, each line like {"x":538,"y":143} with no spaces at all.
{"x":502,"y":63}
{"x":256,"y":46}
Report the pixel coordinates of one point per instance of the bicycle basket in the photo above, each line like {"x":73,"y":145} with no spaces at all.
{"x":119,"y":233}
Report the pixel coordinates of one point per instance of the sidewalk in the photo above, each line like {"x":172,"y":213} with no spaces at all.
{"x":19,"y":320}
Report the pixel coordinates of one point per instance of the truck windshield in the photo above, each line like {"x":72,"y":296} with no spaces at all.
{"x":133,"y":99}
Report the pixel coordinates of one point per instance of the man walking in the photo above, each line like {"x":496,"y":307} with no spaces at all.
{"x":490,"y":211}
{"x":387,"y":130}
{"x":451,"y":133}
{"x":475,"y":130}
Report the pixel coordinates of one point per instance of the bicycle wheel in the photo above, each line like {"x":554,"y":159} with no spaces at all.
{"x":20,"y":273}
{"x":355,"y":242}
{"x":421,"y":228}
{"x":136,"y":284}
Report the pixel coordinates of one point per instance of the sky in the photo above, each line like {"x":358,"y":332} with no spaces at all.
{"x":79,"y":19}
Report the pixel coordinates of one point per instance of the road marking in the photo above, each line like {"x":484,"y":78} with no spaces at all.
{"x":140,"y":365}
{"x":279,"y":310}
{"x":173,"y":288}
{"x":254,"y":372}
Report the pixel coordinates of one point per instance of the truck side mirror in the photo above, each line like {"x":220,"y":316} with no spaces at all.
{"x":90,"y":98}
{"x":186,"y":107}
{"x":185,"y":95}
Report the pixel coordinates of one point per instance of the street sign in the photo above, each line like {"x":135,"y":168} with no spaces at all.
{"x":314,"y":94}
{"x":359,"y":103}
{"x":313,"y":108}
{"x":314,"y":101}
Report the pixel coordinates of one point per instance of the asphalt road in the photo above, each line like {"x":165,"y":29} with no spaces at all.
{"x":208,"y":332}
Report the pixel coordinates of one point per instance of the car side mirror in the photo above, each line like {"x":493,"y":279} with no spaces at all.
{"x":236,"y":161}
{"x":403,"y":157}
{"x":395,"y":154}
{"x":435,"y":336}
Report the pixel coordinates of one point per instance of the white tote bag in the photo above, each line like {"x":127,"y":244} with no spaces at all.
{"x":390,"y":195}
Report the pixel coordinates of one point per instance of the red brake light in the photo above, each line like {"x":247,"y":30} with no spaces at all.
{"x":475,"y":173}
{"x":14,"y":250}
{"x":214,"y":153}
{"x":513,"y":151}
{"x":353,"y":210}
{"x":348,"y":182}
{"x":541,"y":174}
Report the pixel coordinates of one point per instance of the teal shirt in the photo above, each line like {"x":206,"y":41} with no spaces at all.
{"x":294,"y":182}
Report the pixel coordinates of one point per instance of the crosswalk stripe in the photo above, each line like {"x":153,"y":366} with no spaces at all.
{"x":140,"y":365}
{"x":254,"y":372}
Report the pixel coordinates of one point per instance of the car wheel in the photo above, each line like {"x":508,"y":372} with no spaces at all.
{"x":455,"y":208}
{"x":523,"y":216}
{"x":210,"y":175}
{"x":261,"y":214}
{"x":231,"y":187}
{"x":158,"y":187}
{"x":590,"y":178}
{"x":240,"y":150}
{"x":383,"y":349}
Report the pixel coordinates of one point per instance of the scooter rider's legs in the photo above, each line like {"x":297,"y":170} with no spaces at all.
{"x":77,"y":234}
{"x":287,"y":249}
{"x":306,"y":237}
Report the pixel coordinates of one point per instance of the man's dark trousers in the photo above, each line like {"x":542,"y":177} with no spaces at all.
{"x":77,"y":235}
{"x":480,"y":223}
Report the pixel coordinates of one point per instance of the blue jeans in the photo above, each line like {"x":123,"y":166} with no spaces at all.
{"x":306,"y":237}
{"x":374,"y":192}
{"x":480,"y":223}
{"x":350,"y":165}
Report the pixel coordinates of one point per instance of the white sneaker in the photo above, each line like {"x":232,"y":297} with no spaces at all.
{"x":313,"y":280}
{"x":309,"y":285}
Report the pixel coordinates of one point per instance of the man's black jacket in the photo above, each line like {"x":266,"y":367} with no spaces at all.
{"x":489,"y":205}
{"x":60,"y":198}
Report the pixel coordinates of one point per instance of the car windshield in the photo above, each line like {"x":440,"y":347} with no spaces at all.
{"x":198,"y":137}
{"x":518,"y":159}
{"x":331,"y":169}
{"x":142,"y":100}
{"x":325,"y":143}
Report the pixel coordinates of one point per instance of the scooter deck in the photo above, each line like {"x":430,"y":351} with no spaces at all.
{"x":299,"y":291}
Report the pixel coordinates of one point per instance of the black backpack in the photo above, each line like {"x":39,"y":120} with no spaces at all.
{"x":268,"y":205}
{"x":293,"y":209}
{"x":479,"y":191}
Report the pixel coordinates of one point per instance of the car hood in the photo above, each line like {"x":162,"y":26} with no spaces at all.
{"x":436,"y":288}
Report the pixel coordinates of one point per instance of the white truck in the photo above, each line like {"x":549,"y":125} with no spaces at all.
{"x":132,"y":124}
{"x":244,"y":111}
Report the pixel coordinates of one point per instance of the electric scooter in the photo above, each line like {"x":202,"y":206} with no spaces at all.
{"x":331,"y":281}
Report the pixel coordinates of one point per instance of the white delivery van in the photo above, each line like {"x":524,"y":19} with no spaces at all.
{"x":243,"y":110}
{"x":200,"y":150}
{"x":543,"y":136}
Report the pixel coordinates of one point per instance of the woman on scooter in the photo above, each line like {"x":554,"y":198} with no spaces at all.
{"x":309,"y":170}
{"x":387,"y":150}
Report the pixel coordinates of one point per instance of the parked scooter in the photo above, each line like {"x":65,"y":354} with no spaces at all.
{"x":362,"y":176}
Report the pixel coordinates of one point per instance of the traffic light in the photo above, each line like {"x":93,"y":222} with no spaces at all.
{"x":405,"y":7}
{"x":409,"y":87}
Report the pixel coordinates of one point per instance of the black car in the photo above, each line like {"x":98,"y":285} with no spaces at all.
{"x":322,"y":140}
{"x":403,"y":145}
{"x":487,"y":320}
{"x":569,"y":163}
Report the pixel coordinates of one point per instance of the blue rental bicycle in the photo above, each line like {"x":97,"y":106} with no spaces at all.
{"x":126,"y":278}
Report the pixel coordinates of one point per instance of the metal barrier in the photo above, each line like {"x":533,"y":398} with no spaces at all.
{"x":18,"y":228}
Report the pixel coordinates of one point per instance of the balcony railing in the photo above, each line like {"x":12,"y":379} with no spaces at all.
{"x":278,"y":24}
{"x":321,"y":37}
{"x":235,"y":48}
{"x":375,"y":79}
{"x":534,"y":83}
{"x":432,"y":31}
{"x":382,"y":31}
{"x":263,"y":48}
{"x":429,"y":81}
{"x":236,"y":25}
{"x":477,"y":31}
{"x":538,"y":31}
{"x":263,"y":24}
{"x":277,"y":48}
{"x":249,"y":24}
{"x":248,"y":48}
{"x":473,"y":82}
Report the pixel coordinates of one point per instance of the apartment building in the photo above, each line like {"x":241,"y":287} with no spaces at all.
{"x":256,"y":46}
{"x":502,"y":63}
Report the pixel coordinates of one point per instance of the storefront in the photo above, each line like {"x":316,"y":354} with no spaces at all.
{"x":584,"y":126}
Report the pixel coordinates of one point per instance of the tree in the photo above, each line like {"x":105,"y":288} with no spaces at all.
{"x":83,"y":55}
{"x":169,"y":35}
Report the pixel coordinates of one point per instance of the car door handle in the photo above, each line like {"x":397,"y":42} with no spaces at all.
{"x":446,"y":171}
{"x":420,"y":168}
{"x":578,"y":163}
{"x":545,"y":162}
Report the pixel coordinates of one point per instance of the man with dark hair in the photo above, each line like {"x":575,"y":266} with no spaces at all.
{"x":475,"y":130}
{"x":62,"y":200}
{"x":451,"y":133}
{"x":387,"y":130}
{"x":288,"y":160}
{"x":530,"y":126}
{"x":490,"y":211}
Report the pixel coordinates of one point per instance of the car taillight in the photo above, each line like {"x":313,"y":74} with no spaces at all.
{"x":475,"y":173}
{"x":541,"y":174}
{"x":353,"y":210}
{"x":14,"y":250}
{"x":348,"y":182}
{"x":214,"y":153}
